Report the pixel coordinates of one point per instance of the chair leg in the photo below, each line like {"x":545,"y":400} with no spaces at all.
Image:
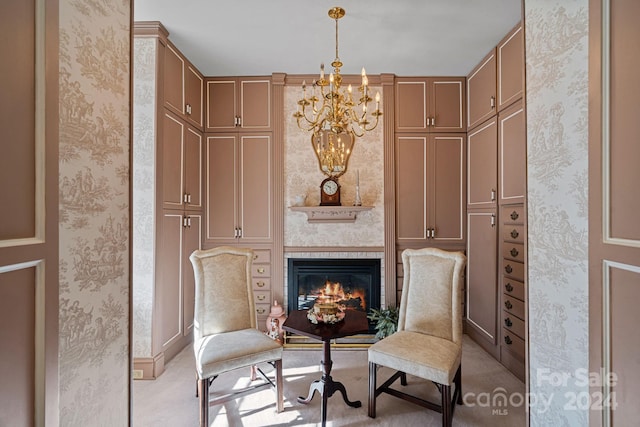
{"x":203,"y":400}
{"x":279,"y":388}
{"x":458,"y":382}
{"x":446,"y":405}
{"x":372,"y":389}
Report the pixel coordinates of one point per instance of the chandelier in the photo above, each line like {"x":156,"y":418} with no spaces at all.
{"x":332,"y":115}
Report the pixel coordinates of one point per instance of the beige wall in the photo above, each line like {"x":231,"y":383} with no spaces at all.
{"x":94,"y":212}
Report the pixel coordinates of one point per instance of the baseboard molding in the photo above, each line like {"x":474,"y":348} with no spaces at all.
{"x":481,"y":339}
{"x":148,"y":368}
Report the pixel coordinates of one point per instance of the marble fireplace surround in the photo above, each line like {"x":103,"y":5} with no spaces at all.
{"x":341,"y":254}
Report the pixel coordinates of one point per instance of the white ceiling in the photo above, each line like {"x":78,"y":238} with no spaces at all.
{"x":403,"y":37}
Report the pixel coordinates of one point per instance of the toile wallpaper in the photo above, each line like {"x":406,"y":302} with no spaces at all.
{"x":143,"y":187}
{"x":94,"y":212}
{"x":557,"y":105}
{"x":303,"y":177}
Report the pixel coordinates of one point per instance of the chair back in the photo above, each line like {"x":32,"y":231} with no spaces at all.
{"x":431,"y":300}
{"x":223,"y":290}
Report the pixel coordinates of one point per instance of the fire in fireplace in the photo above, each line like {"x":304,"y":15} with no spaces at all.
{"x":352,"y":283}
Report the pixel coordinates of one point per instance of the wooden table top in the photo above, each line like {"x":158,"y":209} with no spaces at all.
{"x":354,"y":322}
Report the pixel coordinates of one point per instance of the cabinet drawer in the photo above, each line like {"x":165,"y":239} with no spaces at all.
{"x":512,"y":215}
{"x":513,"y":233}
{"x":513,"y":306}
{"x":513,"y":269}
{"x":261,"y":284}
{"x":513,"y":324}
{"x":262,"y":310}
{"x":514,"y":251}
{"x":512,"y":287}
{"x":261,"y":270}
{"x":513,"y":343}
{"x":261,"y":256}
{"x":261,"y":297}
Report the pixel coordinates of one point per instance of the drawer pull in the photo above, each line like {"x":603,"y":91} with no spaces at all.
{"x":508,"y":322}
{"x":509,"y":287}
{"x":508,"y":269}
{"x":514,"y":233}
{"x":260,"y":284}
{"x":261,"y":297}
{"x":261,"y":270}
{"x":507,"y":339}
{"x":514,"y":252}
{"x":508,"y":305}
{"x":514,"y":215}
{"x":261,"y":310}
{"x":255,"y":257}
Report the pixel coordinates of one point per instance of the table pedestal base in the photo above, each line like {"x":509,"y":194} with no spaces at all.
{"x":326,"y":386}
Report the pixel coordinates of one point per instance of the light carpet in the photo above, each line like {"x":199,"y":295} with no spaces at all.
{"x":493,"y":396}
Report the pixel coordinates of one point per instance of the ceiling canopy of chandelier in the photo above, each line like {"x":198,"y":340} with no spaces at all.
{"x":332,"y":115}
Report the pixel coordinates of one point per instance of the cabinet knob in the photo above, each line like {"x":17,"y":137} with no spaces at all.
{"x":508,"y":269}
{"x":261,"y":311}
{"x":508,"y":322}
{"x":492,"y":102}
{"x":260,"y":284}
{"x":261,"y":297}
{"x":514,"y":252}
{"x":508,"y":305}
{"x":514,"y":215}
{"x":188,"y":108}
{"x":507,"y":340}
{"x":508,"y":287}
{"x":255,"y":257}
{"x":514,"y":233}
{"x":260,"y":270}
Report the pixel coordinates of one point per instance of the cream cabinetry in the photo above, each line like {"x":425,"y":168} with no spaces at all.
{"x":238,"y":104}
{"x":182,"y":164}
{"x":430,"y":104}
{"x":183,"y":87}
{"x":430,"y":189}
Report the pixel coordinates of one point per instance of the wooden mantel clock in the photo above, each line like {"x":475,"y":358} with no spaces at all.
{"x":330,"y":192}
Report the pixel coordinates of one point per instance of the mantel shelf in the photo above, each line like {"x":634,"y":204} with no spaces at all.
{"x":331,"y":213}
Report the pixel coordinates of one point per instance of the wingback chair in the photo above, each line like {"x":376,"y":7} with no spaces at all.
{"x":225,"y":333}
{"x":428,"y":342}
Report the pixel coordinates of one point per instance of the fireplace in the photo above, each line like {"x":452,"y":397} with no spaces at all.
{"x":354,"y":283}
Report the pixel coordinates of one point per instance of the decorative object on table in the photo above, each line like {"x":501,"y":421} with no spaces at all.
{"x":386,"y":321}
{"x":330,"y":192}
{"x":332,"y":118}
{"x":358,"y":200}
{"x":275,"y":320}
{"x":299,"y":200}
{"x":325,"y":310}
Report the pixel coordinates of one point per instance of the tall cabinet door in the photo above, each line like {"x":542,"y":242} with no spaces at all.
{"x":191,"y":241}
{"x":411,"y":188}
{"x":446,"y":105}
{"x":482,"y":175}
{"x":482,"y":281}
{"x":172,"y":162}
{"x":446,"y":213}
{"x":221,"y":211}
{"x":192,"y":169}
{"x":255,"y":187}
{"x":512,"y":146}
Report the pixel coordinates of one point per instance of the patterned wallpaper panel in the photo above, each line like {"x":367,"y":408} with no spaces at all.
{"x":556,"y":81}
{"x":94,"y":212}
{"x":303,"y":177}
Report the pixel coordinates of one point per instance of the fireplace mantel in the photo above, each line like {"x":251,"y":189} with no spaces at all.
{"x":331,"y":213}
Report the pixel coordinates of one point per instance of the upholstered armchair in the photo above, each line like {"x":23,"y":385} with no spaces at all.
{"x":428,"y":342}
{"x":225,"y":333}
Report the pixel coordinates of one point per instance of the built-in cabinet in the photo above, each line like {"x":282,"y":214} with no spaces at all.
{"x":430,"y":189}
{"x":167,"y":197}
{"x":239,"y":180}
{"x":238,"y":104}
{"x":183,"y":87}
{"x":496,"y":211}
{"x":430,"y":104}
